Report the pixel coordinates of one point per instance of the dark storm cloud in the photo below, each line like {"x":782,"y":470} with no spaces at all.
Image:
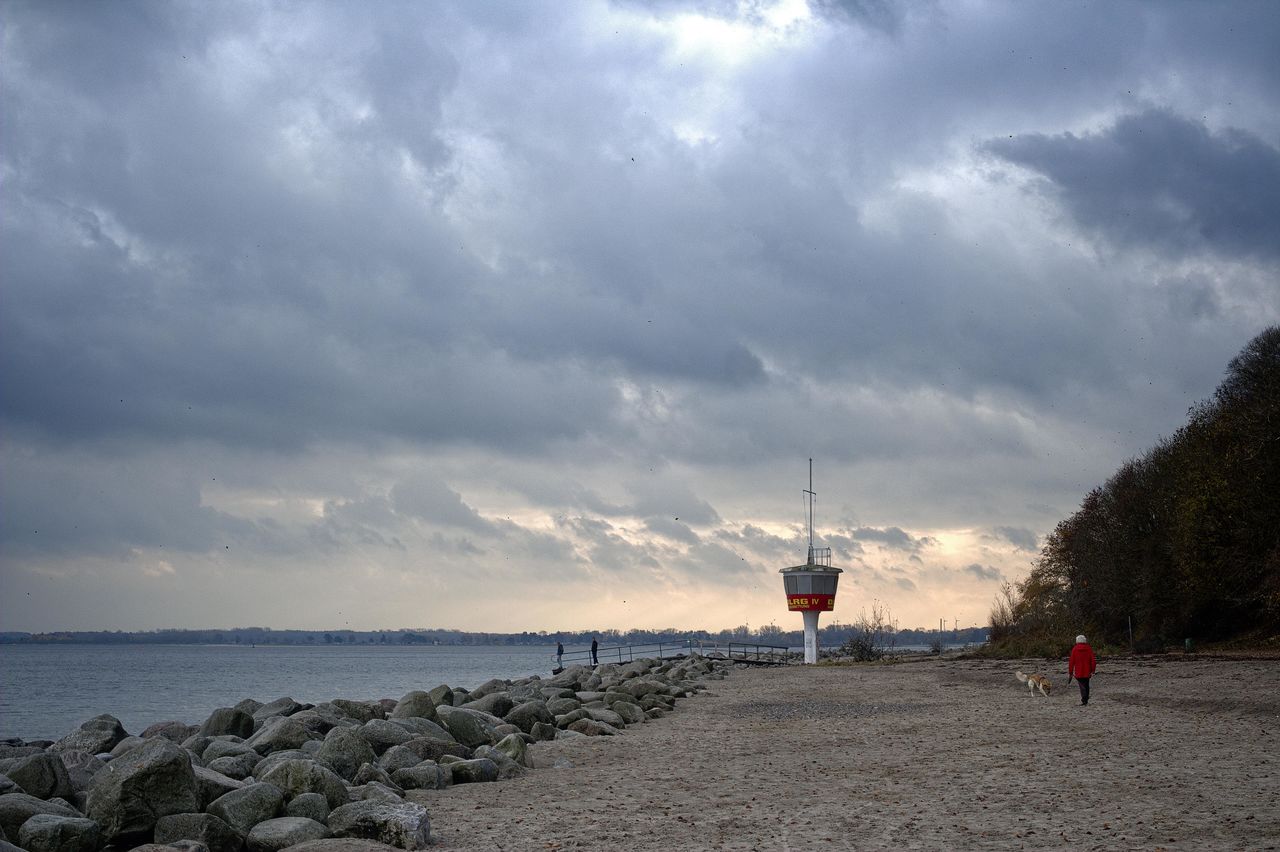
{"x":892,"y":537}
{"x":1023,"y":539}
{"x":1159,"y":180}
{"x":984,"y":572}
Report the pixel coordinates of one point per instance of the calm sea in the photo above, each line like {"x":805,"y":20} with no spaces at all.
{"x":46,"y":691}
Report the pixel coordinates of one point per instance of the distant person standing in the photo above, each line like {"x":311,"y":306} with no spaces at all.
{"x":1081,"y":665}
{"x":559,"y":654}
{"x":595,"y":646}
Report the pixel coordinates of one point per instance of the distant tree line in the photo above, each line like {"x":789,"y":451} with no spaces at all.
{"x":1183,"y":542}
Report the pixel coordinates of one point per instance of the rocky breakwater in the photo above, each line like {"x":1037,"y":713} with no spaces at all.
{"x":334,"y":777}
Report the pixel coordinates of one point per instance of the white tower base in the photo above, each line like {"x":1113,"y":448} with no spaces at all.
{"x":810,"y":635}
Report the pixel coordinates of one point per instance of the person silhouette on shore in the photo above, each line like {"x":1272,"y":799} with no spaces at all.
{"x":595,"y":646}
{"x":559,"y":654}
{"x":1081,"y":665}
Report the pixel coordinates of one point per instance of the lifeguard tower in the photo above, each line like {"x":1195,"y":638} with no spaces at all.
{"x":811,"y":587}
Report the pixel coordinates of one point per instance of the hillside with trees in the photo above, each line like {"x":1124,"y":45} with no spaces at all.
{"x":1183,"y":542}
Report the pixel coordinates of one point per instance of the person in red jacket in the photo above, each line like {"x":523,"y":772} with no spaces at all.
{"x":1081,"y":665}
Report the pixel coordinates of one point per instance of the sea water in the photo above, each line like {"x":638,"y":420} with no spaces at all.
{"x":46,"y":691}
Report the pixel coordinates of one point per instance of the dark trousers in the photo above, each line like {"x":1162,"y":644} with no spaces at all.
{"x":1084,"y":689}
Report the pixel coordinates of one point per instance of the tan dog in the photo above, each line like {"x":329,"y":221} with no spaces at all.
{"x":1035,"y":682}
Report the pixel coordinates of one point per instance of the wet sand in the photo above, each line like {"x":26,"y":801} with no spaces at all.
{"x":1169,"y":754}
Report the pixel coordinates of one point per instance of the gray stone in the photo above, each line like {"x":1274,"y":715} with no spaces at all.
{"x":489,"y":687}
{"x":427,"y":775}
{"x":469,"y":727}
{"x":361,"y":711}
{"x":249,"y":705}
{"x":514,"y":747}
{"x":341,"y":844}
{"x":525,"y":716}
{"x":568,"y":719}
{"x":279,"y":733}
{"x":197,"y":743}
{"x":414,"y":705}
{"x":279,"y":707}
{"x":472,"y":771}
{"x":561,"y":706}
{"x":543,"y":731}
{"x":428,"y":748}
{"x":375,"y":792}
{"x":272,"y":760}
{"x":507,"y":768}
{"x":244,"y":808}
{"x":632,"y":714}
{"x":226,"y":747}
{"x":420,"y":727}
{"x":214,"y":785}
{"x":310,"y":805}
{"x":186,"y":845}
{"x":96,"y":736}
{"x":344,"y":751}
{"x":81,"y":767}
{"x":7,"y":786}
{"x":238,"y":767}
{"x":404,"y":825}
{"x":8,"y":751}
{"x":550,"y":692}
{"x":592,"y":728}
{"x":316,"y":722}
{"x":370,"y":772}
{"x":607,"y":716}
{"x":17,"y":808}
{"x":227,"y":720}
{"x":442,"y":694}
{"x":460,"y":696}
{"x":202,"y":828}
{"x":126,"y":745}
{"x":311,"y":748}
{"x":307,"y":776}
{"x":382,"y":735}
{"x":398,"y":757}
{"x":283,"y":832}
{"x":495,"y":704}
{"x":53,"y":833}
{"x":173,"y":731}
{"x":42,"y":775}
{"x":133,"y":791}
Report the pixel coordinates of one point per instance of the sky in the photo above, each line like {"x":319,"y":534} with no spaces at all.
{"x":530,"y":315}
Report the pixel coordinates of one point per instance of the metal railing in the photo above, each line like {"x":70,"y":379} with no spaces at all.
{"x":750,"y":652}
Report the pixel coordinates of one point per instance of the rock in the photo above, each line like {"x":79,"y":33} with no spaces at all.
{"x":307,"y":776}
{"x":460,"y":697}
{"x":550,"y":692}
{"x":42,"y":775}
{"x":489,"y":687}
{"x":197,"y":743}
{"x":272,"y":760}
{"x":428,"y":748}
{"x":607,"y":716}
{"x":427,"y":775}
{"x":17,"y":808}
{"x":239,"y":767}
{"x":419,"y":727}
{"x":632,"y":714}
{"x":375,"y":792}
{"x":228,"y":720}
{"x":525,"y":716}
{"x":472,"y":771}
{"x":227,"y":747}
{"x":279,"y":707}
{"x":361,"y":711}
{"x":126,"y":745}
{"x":310,"y":805}
{"x":249,"y":706}
{"x":561,"y":706}
{"x":398,"y":757}
{"x":244,"y":808}
{"x":514,"y":747}
{"x":214,"y":785}
{"x":569,"y":718}
{"x":81,"y":767}
{"x":96,"y":736}
{"x":53,"y":833}
{"x":507,"y":768}
{"x":8,"y":750}
{"x":543,"y":731}
{"x":280,"y":733}
{"x":188,"y":845}
{"x":283,"y":832}
{"x":344,"y":751}
{"x":495,"y":704}
{"x":316,"y":723}
{"x":469,"y":727}
{"x":172,"y":730}
{"x":592,"y":728}
{"x":414,"y":705}
{"x":404,"y":825}
{"x":311,"y":748}
{"x":7,"y":786}
{"x":370,"y":772}
{"x":442,"y":694}
{"x":342,"y":844}
{"x":133,"y":791}
{"x":203,"y":828}
{"x":381,"y":734}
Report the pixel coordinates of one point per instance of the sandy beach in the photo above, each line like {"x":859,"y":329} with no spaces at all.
{"x":937,"y":754}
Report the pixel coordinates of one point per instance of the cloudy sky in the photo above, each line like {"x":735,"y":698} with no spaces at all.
{"x":522,"y":316}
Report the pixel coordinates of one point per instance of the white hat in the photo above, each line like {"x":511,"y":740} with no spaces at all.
{"x":1080,"y":638}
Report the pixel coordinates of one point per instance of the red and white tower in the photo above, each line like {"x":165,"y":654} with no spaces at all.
{"x":811,"y":587}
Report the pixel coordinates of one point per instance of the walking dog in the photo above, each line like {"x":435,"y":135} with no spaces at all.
{"x":1035,"y":682}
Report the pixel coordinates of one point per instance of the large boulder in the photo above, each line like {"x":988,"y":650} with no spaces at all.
{"x":507,"y":768}
{"x":419,"y":727}
{"x":318,"y":722}
{"x":283,"y":832}
{"x":81,"y":767}
{"x":525,"y":716}
{"x":441,"y":695}
{"x":514,"y":747}
{"x":425,"y":776}
{"x":226,"y":747}
{"x":494,"y":703}
{"x":173,"y":731}
{"x":382,"y":735}
{"x":133,"y":791}
{"x":429,"y":748}
{"x":473,"y":771}
{"x":607,"y":716}
{"x":469,"y":727}
{"x":266,"y":764}
{"x":214,"y":785}
{"x":414,"y":705}
{"x":404,"y":825}
{"x":202,"y":828}
{"x":42,"y":775}
{"x":53,"y":833}
{"x":238,"y":767}
{"x":344,"y":751}
{"x":307,"y":776}
{"x":310,"y":805}
{"x":244,"y":808}
{"x":592,"y":728}
{"x":227,"y":720}
{"x":543,"y":731}
{"x":99,"y":734}
{"x":370,"y":772}
{"x":632,"y":714}
{"x":398,"y":757}
{"x":17,"y":808}
{"x":279,"y":733}
{"x":489,"y":687}
{"x":361,"y":711}
{"x":561,"y":706}
{"x":279,"y":707}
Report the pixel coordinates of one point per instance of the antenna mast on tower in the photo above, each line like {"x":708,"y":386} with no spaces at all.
{"x":811,"y":498}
